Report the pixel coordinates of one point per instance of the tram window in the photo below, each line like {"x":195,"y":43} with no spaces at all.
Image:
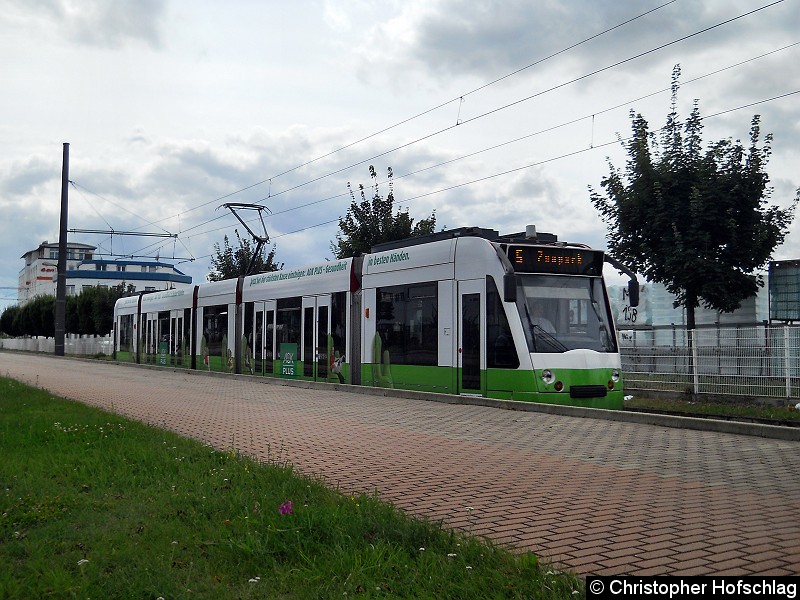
{"x":501,"y":352}
{"x":408,"y":323}
{"x":126,"y":333}
{"x":163,"y":326}
{"x":576,"y":308}
{"x":287,"y":323}
{"x":247,"y":343}
{"x":308,"y":342}
{"x":142,"y":335}
{"x":269,"y":330}
{"x":215,"y":328}
{"x":339,"y":323}
{"x":187,"y":331}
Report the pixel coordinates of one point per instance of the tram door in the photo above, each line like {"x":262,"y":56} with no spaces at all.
{"x":176,"y":337}
{"x":316,"y":328}
{"x":150,"y":337}
{"x":175,"y":334}
{"x":264,"y":337}
{"x":471,"y":337}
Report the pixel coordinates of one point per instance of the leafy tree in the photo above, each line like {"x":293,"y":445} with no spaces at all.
{"x":92,"y":311}
{"x":228,"y":263}
{"x":696,"y":221}
{"x":372,"y":222}
{"x":7,"y":320}
{"x":89,"y":313}
{"x":35,"y":317}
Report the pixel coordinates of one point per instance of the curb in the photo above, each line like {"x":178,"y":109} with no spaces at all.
{"x":776,"y":432}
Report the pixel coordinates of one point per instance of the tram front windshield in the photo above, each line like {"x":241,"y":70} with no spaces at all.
{"x":562,"y":313}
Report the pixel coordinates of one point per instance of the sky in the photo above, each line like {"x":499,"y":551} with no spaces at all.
{"x":494,"y":114}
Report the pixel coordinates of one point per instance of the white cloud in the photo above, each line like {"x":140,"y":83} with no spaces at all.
{"x":171,"y":107}
{"x":92,"y":22}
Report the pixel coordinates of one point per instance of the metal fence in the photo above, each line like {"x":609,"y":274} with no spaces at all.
{"x":753,"y":360}
{"x":86,"y":345}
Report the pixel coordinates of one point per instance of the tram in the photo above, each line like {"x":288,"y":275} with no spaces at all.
{"x":466,"y":311}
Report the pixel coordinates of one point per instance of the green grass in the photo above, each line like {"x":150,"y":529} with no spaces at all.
{"x":95,"y":506}
{"x":731,"y":408}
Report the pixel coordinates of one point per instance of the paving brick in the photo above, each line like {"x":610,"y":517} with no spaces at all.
{"x":572,"y":489}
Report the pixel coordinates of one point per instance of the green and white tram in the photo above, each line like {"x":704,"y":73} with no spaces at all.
{"x":466,"y":311}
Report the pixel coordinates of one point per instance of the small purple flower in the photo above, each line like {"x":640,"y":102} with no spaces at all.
{"x":286,"y":508}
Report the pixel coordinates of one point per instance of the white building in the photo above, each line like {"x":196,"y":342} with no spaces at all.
{"x":656,"y":308}
{"x":39,"y":275}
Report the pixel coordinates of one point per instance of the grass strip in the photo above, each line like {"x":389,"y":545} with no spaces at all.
{"x":701,"y":407}
{"x":93,"y":505}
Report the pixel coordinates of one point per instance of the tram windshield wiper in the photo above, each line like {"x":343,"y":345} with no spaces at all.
{"x":540,"y":335}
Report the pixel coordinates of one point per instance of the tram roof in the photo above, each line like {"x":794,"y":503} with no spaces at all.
{"x":489,"y":234}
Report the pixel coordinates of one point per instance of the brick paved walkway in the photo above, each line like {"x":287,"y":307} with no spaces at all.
{"x":600,"y":497}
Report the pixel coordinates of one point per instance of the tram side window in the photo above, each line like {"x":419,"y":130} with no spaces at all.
{"x":187,"y":331}
{"x":247,"y":344}
{"x":126,"y":333}
{"x":501,"y":352}
{"x":287,"y":322}
{"x":408,"y":323}
{"x":142,"y":334}
{"x":339,"y":323}
{"x":215,"y":328}
{"x":269,"y":354}
{"x":163,"y":329}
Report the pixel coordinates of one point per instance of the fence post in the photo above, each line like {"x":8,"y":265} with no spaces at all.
{"x":786,"y":361}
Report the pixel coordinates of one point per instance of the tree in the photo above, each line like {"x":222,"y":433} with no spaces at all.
{"x":230,"y":264}
{"x":7,"y":319}
{"x":89,"y":313}
{"x":698,"y":222}
{"x":92,"y":311}
{"x":372,"y":222}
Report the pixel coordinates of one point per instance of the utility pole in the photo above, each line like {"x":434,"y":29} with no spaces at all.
{"x":61,"y":281}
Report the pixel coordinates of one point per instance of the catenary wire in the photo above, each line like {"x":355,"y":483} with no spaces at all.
{"x":517,"y":102}
{"x":538,"y":163}
{"x":546,"y":130}
{"x":423,"y":113}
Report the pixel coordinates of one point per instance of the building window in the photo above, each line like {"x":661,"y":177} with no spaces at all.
{"x":53,"y":254}
{"x":70,"y":290}
{"x":152,"y":269}
{"x":100,"y":267}
{"x":121,"y":267}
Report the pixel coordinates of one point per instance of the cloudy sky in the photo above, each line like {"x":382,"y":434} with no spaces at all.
{"x":492,"y":113}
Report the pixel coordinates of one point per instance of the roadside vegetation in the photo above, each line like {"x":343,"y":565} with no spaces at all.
{"x":94,"y":505}
{"x":732,"y":409}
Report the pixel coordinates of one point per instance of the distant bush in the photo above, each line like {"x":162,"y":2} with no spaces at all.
{"x":89,"y":313}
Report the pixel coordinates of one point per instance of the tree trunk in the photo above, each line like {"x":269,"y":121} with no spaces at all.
{"x":691,"y":301}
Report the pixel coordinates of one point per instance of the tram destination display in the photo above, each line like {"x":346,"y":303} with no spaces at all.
{"x":568,"y":261}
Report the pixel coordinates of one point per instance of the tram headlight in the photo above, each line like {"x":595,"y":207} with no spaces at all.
{"x":548,"y":377}
{"x":615,"y":375}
